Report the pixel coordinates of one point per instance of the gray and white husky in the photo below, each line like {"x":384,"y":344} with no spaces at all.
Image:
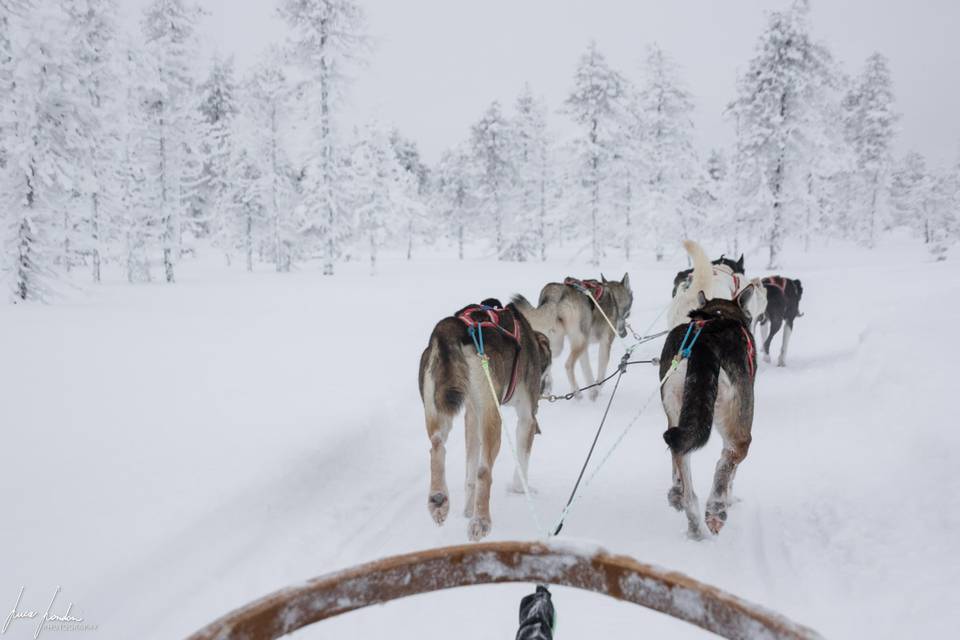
{"x":451,"y":377}
{"x":564,"y":313}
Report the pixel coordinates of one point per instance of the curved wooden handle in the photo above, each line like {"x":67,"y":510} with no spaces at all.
{"x":555,"y":563}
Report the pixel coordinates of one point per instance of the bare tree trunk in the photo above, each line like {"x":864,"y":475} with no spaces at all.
{"x":95,"y":230}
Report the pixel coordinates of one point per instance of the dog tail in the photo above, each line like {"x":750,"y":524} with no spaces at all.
{"x":542,"y":318}
{"x":699,"y":397}
{"x":448,"y":375}
{"x":702,"y":269}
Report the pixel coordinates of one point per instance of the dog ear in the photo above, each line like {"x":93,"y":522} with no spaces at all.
{"x":702,"y":299}
{"x":603,"y":278}
{"x":740,"y":264}
{"x":626,"y":280}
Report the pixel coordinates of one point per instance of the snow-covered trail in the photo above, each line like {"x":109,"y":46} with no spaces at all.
{"x":174,"y":452}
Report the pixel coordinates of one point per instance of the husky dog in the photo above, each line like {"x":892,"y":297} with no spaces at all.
{"x":682,"y":277}
{"x":564,"y":312}
{"x":714,"y":383}
{"x":756,"y":303}
{"x":783,"y":307}
{"x":714,"y":280}
{"x":451,"y":377}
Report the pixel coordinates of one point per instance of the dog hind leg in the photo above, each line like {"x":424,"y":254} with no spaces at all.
{"x":577,"y":348}
{"x":768,"y":338}
{"x":688,"y":497}
{"x":480,"y":524}
{"x":438,"y":500}
{"x":787,"y":332}
{"x":734,"y":451}
{"x":472,"y":439}
{"x":526,"y":430}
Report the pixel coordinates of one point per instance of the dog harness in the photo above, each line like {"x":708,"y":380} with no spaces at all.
{"x":726,"y":270}
{"x":777,"y":281}
{"x":479,"y":316}
{"x":592,"y":287}
{"x":751,"y":352}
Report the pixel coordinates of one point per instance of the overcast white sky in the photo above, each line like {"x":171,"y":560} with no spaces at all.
{"x":439,"y":63}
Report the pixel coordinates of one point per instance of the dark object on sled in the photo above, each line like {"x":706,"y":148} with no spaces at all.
{"x":537,"y":616}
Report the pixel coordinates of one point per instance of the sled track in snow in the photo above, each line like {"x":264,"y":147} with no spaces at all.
{"x":620,"y":577}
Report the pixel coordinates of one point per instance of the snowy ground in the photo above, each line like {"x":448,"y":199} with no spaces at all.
{"x":170,"y":453}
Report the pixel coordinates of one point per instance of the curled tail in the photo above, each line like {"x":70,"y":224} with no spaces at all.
{"x":702,"y":268}
{"x":699,"y":397}
{"x":445,"y":375}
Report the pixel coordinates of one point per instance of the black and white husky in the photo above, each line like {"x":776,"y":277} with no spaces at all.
{"x":719,"y":279}
{"x":712,"y":385}
{"x":783,"y":307}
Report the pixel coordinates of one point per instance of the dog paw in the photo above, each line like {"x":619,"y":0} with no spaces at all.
{"x":766,"y":357}
{"x":439,"y":506}
{"x":781,"y":362}
{"x":516,"y":487}
{"x":478,"y":528}
{"x":594,"y":394}
{"x":716,"y":517}
{"x":675,"y":497}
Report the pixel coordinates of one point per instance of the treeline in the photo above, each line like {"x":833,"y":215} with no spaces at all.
{"x":128,"y":149}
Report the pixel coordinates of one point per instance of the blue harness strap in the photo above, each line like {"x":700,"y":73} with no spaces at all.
{"x":685,"y":348}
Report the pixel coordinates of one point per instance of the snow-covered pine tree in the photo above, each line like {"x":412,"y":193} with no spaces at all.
{"x":218,"y":108}
{"x":596,"y":103}
{"x":870,"y":123}
{"x":267,"y":95}
{"x":169,"y":28}
{"x":93,"y":47}
{"x":243,"y":200}
{"x":44,"y":115}
{"x":328,"y":36}
{"x":138,"y":218}
{"x":779,"y":113}
{"x":453,"y":197}
{"x":408,"y":155}
{"x":528,"y":233}
{"x":666,"y":110}
{"x":491,"y":147}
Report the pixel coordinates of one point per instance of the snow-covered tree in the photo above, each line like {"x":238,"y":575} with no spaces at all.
{"x":328,"y":37}
{"x":780,"y":116}
{"x":218,"y":109}
{"x":596,"y":104}
{"x":268,"y":93}
{"x":666,"y":110}
{"x":169,"y":29}
{"x":244,"y":202}
{"x":870,"y":124}
{"x":44,"y":116}
{"x":93,"y":47}
{"x":418,"y":174}
{"x":453,"y":196}
{"x":491,"y":146}
{"x":528,"y":234}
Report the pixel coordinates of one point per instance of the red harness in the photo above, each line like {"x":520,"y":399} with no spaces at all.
{"x":777,"y":281}
{"x":595,"y":288}
{"x":489,"y":318}
{"x":751,"y":351}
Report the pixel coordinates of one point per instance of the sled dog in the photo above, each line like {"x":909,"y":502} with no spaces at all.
{"x":451,"y":378}
{"x":714,"y":280}
{"x":783,"y":307}
{"x":713,"y":385}
{"x":756,"y":302}
{"x":682,"y":277}
{"x":563,"y":313}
